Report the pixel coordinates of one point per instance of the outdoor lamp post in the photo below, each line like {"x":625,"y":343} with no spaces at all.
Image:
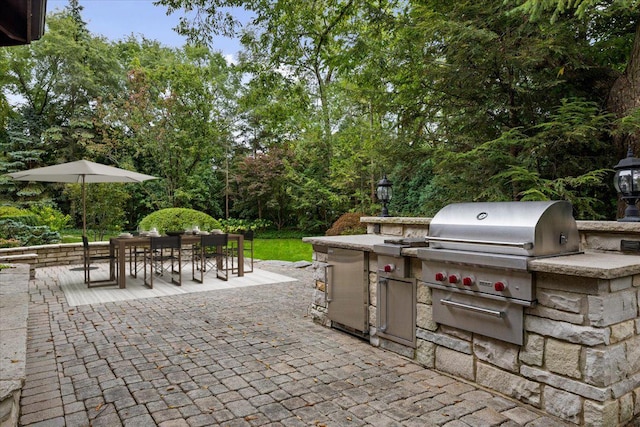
{"x":384,"y":193}
{"x":627,"y":183}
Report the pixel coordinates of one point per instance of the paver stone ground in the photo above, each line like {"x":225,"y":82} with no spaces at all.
{"x":235,"y":357}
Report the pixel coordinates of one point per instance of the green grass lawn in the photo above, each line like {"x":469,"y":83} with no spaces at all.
{"x":264,"y":249}
{"x":282,"y":249}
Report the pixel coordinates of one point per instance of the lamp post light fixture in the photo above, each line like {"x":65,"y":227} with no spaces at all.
{"x":384,"y":193}
{"x":627,"y":183}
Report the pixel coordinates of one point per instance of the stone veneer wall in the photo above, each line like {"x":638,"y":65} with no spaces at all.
{"x":56,"y":254}
{"x":581,"y":357}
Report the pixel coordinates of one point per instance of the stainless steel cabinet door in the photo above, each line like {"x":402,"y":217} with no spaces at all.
{"x":347,"y":290}
{"x":397,"y":310}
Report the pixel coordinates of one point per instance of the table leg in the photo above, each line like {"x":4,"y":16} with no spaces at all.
{"x":122,"y":278}
{"x":240,"y":256}
{"x":112,"y":267}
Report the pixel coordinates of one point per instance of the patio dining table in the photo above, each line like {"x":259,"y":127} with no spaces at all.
{"x":118,"y":250}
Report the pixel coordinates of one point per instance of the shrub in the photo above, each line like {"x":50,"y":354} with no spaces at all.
{"x":18,"y":215}
{"x":9,"y":243}
{"x":27,"y":235}
{"x":12,"y":211}
{"x":174,"y":219}
{"x":348,"y":223}
{"x":233,"y":225}
{"x":51,"y":217}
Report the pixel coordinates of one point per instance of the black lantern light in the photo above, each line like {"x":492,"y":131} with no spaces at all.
{"x":627,"y":183}
{"x":384,"y":193}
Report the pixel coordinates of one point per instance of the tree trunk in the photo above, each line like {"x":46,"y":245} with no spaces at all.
{"x":624,"y":97}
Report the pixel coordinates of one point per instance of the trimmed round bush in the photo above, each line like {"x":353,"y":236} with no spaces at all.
{"x":178,"y":219}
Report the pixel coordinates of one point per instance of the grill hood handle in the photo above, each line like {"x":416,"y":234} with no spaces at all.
{"x":523,"y":245}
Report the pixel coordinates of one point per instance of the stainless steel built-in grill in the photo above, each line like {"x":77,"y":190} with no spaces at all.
{"x":477,"y":261}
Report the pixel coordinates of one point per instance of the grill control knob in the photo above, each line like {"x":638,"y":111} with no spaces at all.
{"x":499,"y":286}
{"x":388,"y":268}
{"x":453,"y":279}
{"x":440,"y":277}
{"x":468,"y":281}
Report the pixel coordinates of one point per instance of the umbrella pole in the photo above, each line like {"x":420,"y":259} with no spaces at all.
{"x":84,"y":209}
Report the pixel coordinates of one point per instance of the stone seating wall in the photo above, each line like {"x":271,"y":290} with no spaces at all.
{"x":49,"y":255}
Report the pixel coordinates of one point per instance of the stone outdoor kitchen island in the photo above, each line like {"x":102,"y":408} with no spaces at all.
{"x":580,"y":358}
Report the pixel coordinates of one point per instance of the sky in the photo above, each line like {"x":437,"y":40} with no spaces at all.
{"x":117,"y":19}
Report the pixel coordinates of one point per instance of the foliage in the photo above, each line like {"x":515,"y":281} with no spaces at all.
{"x":60,"y":77}
{"x":51,"y":217}
{"x":9,"y":243}
{"x":37,"y":215}
{"x":176,"y":219}
{"x":27,"y":235}
{"x":12,"y":211}
{"x":177,"y":108}
{"x":568,"y":188}
{"x":20,"y":150}
{"x":454,"y":101}
{"x":104,"y":206}
{"x":348,"y":223}
{"x":262,"y":187}
{"x":19,"y":215}
{"x":580,"y":8}
{"x":612,"y":28}
{"x":538,"y":162}
{"x":233,"y":225}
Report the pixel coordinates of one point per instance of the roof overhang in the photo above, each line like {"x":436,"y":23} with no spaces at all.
{"x":21,"y":21}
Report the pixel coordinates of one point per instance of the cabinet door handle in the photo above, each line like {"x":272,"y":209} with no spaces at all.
{"x":327,"y":279}
{"x":383,"y":293}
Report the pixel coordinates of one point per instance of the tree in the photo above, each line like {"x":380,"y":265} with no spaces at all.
{"x":178,"y":103}
{"x":59,"y":77}
{"x":614,"y":26}
{"x":486,"y":84}
{"x":310,"y":43}
{"x":455,"y":101}
{"x":272,"y":109}
{"x":104,"y":206}
{"x":22,"y":150}
{"x":262,"y":187}
{"x":55,"y":83}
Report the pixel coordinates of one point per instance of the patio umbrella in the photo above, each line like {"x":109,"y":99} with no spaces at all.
{"x":82,"y":172}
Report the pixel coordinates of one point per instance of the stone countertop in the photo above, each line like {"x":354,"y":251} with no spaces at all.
{"x":628,"y":228}
{"x":395,"y":220}
{"x":616,"y":227}
{"x":590,"y":264}
{"x":362,"y":242}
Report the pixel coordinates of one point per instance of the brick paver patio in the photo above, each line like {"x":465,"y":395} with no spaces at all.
{"x":237,"y":357}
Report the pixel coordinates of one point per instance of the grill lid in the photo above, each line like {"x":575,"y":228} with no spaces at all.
{"x":513,"y":228}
